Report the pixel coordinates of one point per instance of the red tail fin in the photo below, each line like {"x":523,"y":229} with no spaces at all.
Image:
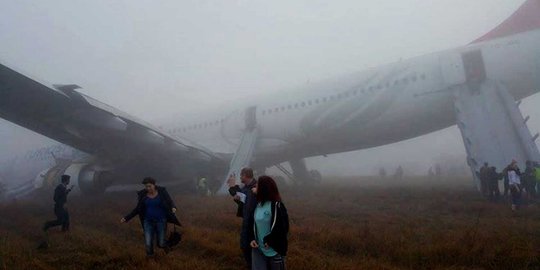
{"x":526,"y":18}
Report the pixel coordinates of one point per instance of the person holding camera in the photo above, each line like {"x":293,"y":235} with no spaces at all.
{"x":246,"y":202}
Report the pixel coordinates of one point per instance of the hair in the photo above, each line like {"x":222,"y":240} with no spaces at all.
{"x":267,"y":190}
{"x":247,"y":172}
{"x":149,"y":180}
{"x":65,"y":178}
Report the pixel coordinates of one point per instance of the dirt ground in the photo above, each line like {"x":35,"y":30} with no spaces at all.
{"x":352,"y":223}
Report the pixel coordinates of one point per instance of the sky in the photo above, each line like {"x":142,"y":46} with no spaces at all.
{"x":171,"y":59}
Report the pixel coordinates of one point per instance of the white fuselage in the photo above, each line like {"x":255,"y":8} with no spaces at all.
{"x":381,"y":106}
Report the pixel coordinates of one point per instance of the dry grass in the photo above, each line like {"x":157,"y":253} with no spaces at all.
{"x":377,"y":225}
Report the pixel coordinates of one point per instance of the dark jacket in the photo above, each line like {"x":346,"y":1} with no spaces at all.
{"x":60,"y":195}
{"x":166,"y":203}
{"x":278,"y":236}
{"x":245,"y":210}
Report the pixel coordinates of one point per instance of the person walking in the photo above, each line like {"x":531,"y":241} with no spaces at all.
{"x":60,"y":199}
{"x":493,"y":182}
{"x":484,"y":179}
{"x":155,"y":209}
{"x":269,"y":227}
{"x":528,"y":181}
{"x":246,"y":202}
{"x":514,"y":182}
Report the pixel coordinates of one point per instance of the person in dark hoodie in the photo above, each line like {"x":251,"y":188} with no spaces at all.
{"x":269,"y":227}
{"x":246,"y":202}
{"x":60,"y":199}
{"x":155,"y":209}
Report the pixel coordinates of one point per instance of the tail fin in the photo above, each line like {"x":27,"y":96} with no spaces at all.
{"x":526,"y":18}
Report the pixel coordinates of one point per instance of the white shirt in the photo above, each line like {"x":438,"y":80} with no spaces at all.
{"x":513,"y":178}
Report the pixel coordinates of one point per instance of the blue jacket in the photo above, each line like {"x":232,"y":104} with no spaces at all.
{"x":166,"y":203}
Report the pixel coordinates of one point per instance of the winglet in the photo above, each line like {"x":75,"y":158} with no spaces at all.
{"x":66,"y":88}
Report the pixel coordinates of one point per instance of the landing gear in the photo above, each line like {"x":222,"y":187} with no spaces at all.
{"x":302,"y":175}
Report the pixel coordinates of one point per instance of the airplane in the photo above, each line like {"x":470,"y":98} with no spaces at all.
{"x":376,"y":107}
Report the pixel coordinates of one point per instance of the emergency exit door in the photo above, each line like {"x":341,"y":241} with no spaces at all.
{"x":251,"y":118}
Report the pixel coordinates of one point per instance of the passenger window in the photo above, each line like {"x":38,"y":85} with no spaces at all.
{"x":324,"y":99}
{"x":309,"y":102}
{"x":276,"y":109}
{"x":423,"y":76}
{"x":289,"y":107}
{"x":317,"y":101}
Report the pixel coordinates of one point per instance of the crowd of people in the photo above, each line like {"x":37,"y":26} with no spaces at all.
{"x":521,"y":187}
{"x":265,"y":222}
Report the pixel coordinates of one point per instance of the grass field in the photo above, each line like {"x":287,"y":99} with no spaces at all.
{"x":356,"y":224}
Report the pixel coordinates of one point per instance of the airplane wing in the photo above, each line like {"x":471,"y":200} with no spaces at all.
{"x":62,"y":113}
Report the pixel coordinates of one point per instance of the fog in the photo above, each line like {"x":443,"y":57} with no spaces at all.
{"x":169,"y":59}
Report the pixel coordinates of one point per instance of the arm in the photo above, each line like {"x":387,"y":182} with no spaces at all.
{"x":234,"y":189}
{"x":169,"y":199}
{"x":281,"y":229}
{"x":133,"y":212}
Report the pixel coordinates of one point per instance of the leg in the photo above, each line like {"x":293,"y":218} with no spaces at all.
{"x":65,"y":221}
{"x":259,"y":261}
{"x":277,"y":262}
{"x":161,"y":229}
{"x":246,"y":252}
{"x":58,"y":212}
{"x":149,"y":231}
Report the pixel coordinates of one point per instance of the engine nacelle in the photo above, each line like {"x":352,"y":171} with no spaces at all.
{"x":86,"y":178}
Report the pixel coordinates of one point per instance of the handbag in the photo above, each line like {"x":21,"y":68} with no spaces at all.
{"x":175,"y":237}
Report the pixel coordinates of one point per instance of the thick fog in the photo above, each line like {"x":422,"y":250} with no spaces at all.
{"x":173,"y":59}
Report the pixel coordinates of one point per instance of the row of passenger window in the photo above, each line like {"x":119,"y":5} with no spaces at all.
{"x":197,"y":126}
{"x":410,"y":79}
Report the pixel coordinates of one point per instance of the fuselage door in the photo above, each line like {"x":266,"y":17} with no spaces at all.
{"x":452,"y":68}
{"x":251,"y":118}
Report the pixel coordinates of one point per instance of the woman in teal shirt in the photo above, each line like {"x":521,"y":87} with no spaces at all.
{"x":270,"y":227}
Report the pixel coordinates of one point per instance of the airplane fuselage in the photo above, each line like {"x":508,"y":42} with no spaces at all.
{"x":381,"y":106}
